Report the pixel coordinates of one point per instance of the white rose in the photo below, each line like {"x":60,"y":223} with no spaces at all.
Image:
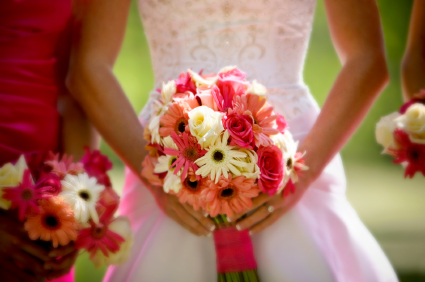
{"x":168,"y":90}
{"x":205,"y":125}
{"x":413,"y":122}
{"x":257,"y":89}
{"x":121,"y":226}
{"x":385,"y":131}
{"x":172,"y":182}
{"x":10,"y":176}
{"x":251,"y":170}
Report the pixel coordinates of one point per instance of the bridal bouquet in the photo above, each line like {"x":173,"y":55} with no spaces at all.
{"x":216,"y":143}
{"x":61,"y":201}
{"x":402,"y":134}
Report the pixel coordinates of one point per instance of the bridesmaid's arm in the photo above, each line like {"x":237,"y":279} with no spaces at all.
{"x":413,"y":66}
{"x":99,"y":35}
{"x":357,"y":35}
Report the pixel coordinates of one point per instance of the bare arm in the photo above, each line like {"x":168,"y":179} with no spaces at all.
{"x":413,"y":65}
{"x":94,"y":86}
{"x":356,"y":32}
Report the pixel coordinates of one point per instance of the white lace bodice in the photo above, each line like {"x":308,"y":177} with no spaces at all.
{"x":267,"y":39}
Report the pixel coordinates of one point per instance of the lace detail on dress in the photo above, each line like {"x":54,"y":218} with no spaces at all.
{"x":267,"y":39}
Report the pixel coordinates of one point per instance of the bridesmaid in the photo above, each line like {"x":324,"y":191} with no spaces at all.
{"x":413,"y":66}
{"x":34,"y":43}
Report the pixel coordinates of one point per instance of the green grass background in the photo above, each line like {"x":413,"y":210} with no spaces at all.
{"x":133,"y":69}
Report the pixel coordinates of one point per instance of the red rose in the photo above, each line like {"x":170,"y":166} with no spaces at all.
{"x":240,"y":129}
{"x":96,"y":165}
{"x":270,"y":161}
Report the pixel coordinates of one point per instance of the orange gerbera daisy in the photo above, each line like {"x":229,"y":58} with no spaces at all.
{"x":55,"y":222}
{"x":228,"y":195}
{"x":263,"y":116}
{"x":174,"y":120}
{"x":191,"y":191}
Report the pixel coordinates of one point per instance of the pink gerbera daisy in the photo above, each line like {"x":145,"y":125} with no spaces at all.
{"x":99,"y":237}
{"x":174,"y":120}
{"x":25,"y":195}
{"x":228,"y":195}
{"x":190,"y":191}
{"x":263,"y":116}
{"x":189,"y":151}
{"x":64,"y":166}
{"x":411,"y":153}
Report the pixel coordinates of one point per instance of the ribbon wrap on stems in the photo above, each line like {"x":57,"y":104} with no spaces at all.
{"x":234,"y":250}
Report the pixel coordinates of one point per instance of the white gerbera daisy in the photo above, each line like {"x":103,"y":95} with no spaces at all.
{"x":252,"y":170}
{"x":82,"y":192}
{"x":172,"y":182}
{"x":165,"y":162}
{"x":220,"y":159}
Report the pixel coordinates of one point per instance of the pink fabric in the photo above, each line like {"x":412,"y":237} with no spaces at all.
{"x":234,"y":250}
{"x":34,"y":44}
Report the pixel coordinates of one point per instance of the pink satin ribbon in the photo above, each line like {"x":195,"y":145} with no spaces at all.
{"x":234,"y":250}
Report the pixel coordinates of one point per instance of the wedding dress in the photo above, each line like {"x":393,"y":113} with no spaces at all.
{"x":321,"y":238}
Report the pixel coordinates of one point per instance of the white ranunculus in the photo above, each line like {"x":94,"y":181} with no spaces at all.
{"x":199,"y":80}
{"x":413,"y":122}
{"x":257,"y":89}
{"x":205,"y":125}
{"x":252,"y":170}
{"x":168,"y":90}
{"x":10,"y":176}
{"x":172,"y":182}
{"x":384,"y":131}
{"x":121,"y":226}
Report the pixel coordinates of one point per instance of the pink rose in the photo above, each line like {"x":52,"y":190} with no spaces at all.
{"x":96,"y":165}
{"x":270,"y":161}
{"x":240,"y":129}
{"x":51,"y":183}
{"x":205,"y":97}
{"x":184,"y":83}
{"x":234,"y":74}
{"x":281,"y":123}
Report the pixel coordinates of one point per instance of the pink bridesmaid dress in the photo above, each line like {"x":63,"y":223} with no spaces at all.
{"x":34,"y":37}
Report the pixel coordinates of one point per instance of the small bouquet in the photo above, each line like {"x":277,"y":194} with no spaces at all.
{"x":216,"y":143}
{"x":61,"y":201}
{"x":402,"y":134}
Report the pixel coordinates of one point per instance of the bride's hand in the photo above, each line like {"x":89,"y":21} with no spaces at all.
{"x":268,"y":209}
{"x":183,"y":214}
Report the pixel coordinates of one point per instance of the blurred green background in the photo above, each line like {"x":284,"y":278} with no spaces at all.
{"x":390,"y":206}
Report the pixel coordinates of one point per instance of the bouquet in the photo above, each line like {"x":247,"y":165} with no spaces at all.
{"x":216,"y":143}
{"x":402,"y":134}
{"x":60,"y":201}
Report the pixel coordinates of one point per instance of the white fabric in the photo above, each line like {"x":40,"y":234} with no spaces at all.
{"x":322,"y":238}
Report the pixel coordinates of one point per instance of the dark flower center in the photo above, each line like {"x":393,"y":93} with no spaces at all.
{"x":218,"y":156}
{"x":192,"y":185}
{"x":172,"y":160}
{"x":98,"y":231}
{"x":51,"y":222}
{"x":414,"y":155}
{"x":191,"y":153}
{"x":27,"y":194}
{"x":227,"y":193}
{"x":289,"y":162}
{"x":85,"y":195}
{"x":181,"y":125}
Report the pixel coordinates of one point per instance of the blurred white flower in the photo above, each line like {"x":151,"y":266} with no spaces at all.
{"x":168,"y":90}
{"x":257,"y":89}
{"x":413,"y":122}
{"x":10,"y":176}
{"x":384,"y":131}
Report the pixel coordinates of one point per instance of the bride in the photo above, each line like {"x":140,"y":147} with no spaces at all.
{"x":312,"y":235}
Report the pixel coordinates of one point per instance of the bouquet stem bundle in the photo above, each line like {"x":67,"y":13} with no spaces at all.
{"x":234,"y":252}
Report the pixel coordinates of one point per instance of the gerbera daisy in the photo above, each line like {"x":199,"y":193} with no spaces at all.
{"x":228,"y":195}
{"x":82,"y":192}
{"x":188,"y":152}
{"x":25,"y":195}
{"x":99,"y":237}
{"x":409,"y":153}
{"x":191,"y":189}
{"x":55,"y":222}
{"x":174,"y":120}
{"x":220,"y":159}
{"x":263,"y":116}
{"x":64,"y":166}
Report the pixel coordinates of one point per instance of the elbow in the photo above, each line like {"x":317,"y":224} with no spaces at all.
{"x":379,"y":69}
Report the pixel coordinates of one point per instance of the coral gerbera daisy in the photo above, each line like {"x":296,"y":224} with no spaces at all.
{"x":220,"y":159}
{"x":64,"y":166}
{"x":25,"y":195}
{"x":190,"y":191}
{"x":82,"y":192}
{"x":188,"y":152}
{"x":55,"y":222}
{"x":175,"y":119}
{"x":229,"y":195}
{"x":409,"y":153}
